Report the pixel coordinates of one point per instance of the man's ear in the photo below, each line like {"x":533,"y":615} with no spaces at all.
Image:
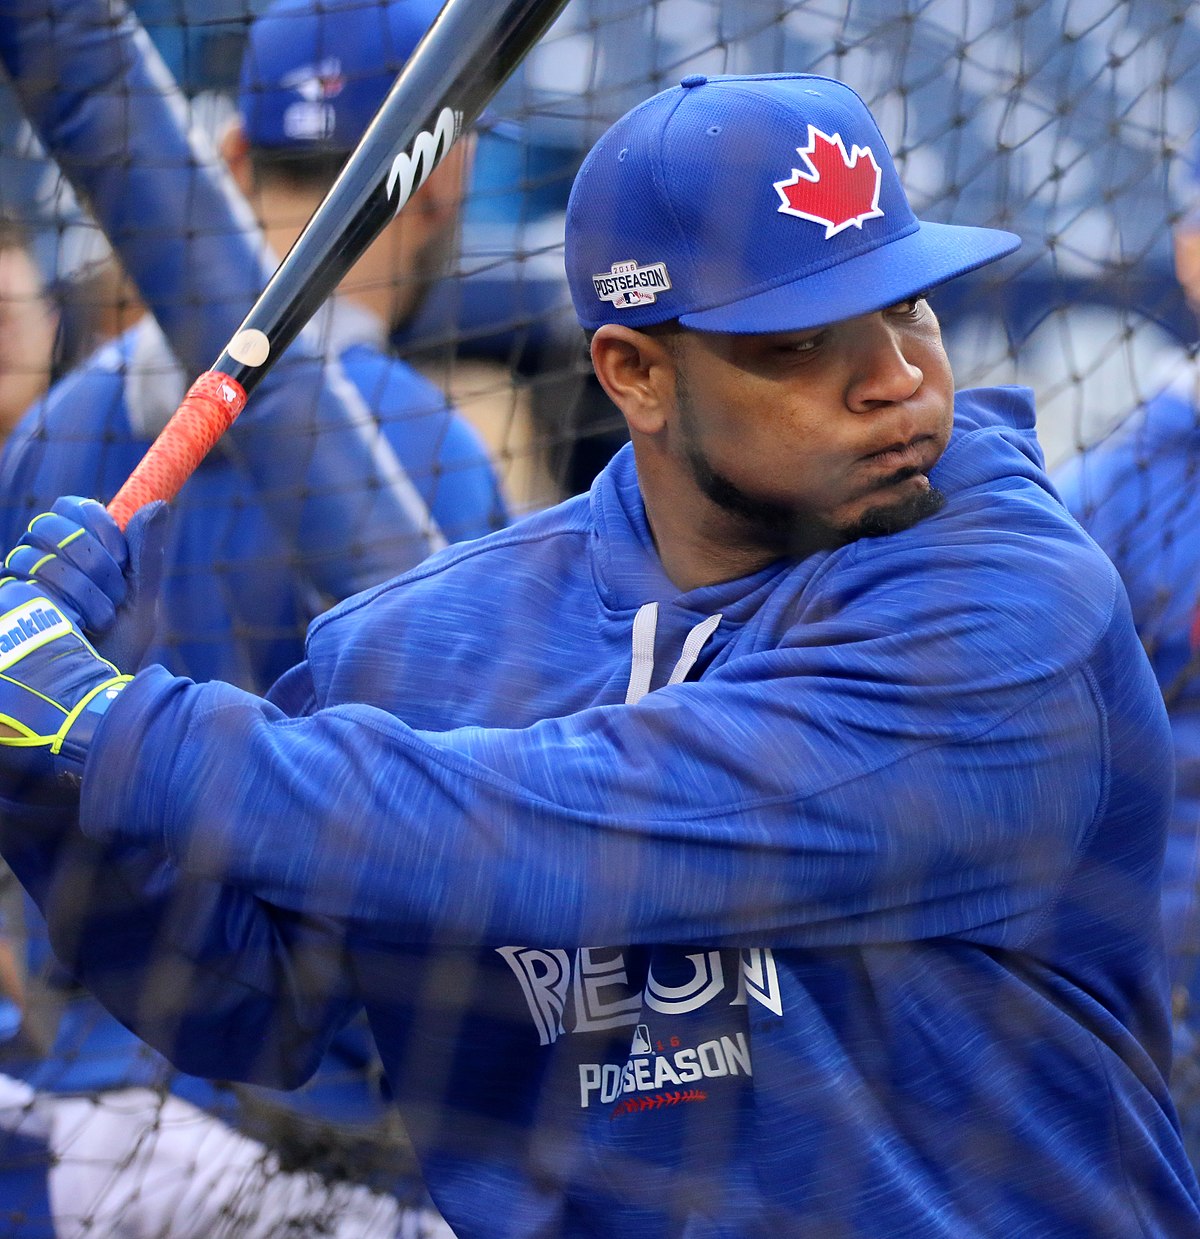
{"x":638,"y":373}
{"x":1187,"y":262}
{"x":235,"y":150}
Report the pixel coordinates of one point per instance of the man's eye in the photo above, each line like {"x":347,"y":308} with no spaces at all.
{"x":807,"y":345}
{"x":911,"y":307}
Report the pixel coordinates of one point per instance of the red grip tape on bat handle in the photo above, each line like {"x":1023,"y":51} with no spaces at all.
{"x":207,"y":411}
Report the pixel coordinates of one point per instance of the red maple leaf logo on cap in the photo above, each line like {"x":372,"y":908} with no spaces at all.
{"x":838,"y":190}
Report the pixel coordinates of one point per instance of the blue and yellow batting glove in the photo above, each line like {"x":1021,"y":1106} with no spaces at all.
{"x":76,"y":553}
{"x":54,"y":689}
{"x":106,"y":582}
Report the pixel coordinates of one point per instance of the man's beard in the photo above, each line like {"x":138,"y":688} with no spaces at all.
{"x":430,"y":264}
{"x":784,"y":529}
{"x":889,"y":518}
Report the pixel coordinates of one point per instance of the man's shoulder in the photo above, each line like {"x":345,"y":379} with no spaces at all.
{"x":477,"y":577}
{"x":1003,"y":556}
{"x":88,"y":396}
{"x":393,"y":383}
{"x":996,"y":428}
{"x":993,"y":469}
{"x":1009,"y":407}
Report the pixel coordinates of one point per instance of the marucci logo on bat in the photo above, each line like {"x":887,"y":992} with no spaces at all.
{"x":410,"y":169}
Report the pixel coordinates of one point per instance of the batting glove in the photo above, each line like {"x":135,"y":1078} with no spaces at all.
{"x":107,"y":582}
{"x":54,"y":689}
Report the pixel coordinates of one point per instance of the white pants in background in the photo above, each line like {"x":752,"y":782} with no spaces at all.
{"x":133,"y":1164}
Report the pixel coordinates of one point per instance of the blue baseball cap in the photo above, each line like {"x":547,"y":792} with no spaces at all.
{"x":752,"y":204}
{"x":314,"y":72}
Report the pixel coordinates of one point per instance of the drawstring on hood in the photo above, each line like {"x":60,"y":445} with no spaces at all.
{"x":641,"y":669}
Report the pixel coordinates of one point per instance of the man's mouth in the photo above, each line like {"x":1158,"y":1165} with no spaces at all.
{"x":915,"y":455}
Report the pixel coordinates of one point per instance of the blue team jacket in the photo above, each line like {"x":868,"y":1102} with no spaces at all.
{"x":1135,"y":493}
{"x":234,"y":606}
{"x":836,"y":916}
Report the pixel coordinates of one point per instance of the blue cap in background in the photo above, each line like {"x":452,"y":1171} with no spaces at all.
{"x":752,"y":204}
{"x":314,"y":72}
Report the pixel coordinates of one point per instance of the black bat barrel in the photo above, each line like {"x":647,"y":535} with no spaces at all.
{"x":469,"y":51}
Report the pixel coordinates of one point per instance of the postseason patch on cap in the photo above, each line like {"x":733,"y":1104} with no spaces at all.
{"x":628,"y":285}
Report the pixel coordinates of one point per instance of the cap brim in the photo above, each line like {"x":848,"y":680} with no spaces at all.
{"x":926,"y":257}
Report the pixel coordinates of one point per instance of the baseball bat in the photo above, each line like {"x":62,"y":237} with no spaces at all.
{"x":469,"y":51}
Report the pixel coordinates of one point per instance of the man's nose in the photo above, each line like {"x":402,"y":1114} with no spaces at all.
{"x":882,"y":373}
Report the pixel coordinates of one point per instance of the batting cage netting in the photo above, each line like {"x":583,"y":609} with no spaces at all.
{"x":1069,"y":122}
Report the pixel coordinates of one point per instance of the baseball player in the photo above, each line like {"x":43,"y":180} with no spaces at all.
{"x":234,"y":606}
{"x":1137,"y":480}
{"x":764,"y":844}
{"x":28,"y":325}
{"x":313,"y":74}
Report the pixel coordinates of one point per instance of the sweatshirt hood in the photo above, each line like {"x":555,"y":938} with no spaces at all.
{"x":998,"y":423}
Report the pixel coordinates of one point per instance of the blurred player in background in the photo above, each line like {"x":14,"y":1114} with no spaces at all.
{"x":765,"y":844}
{"x":234,"y":607}
{"x":314,"y":72}
{"x":28,"y":327}
{"x":1137,"y":494}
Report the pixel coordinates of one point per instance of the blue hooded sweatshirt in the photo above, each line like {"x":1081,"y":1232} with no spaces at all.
{"x":1136,"y":494}
{"x":234,"y":607}
{"x":823,"y":902}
